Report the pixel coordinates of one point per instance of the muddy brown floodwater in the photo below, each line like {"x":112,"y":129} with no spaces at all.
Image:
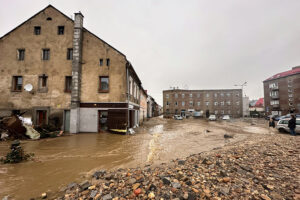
{"x":59,"y":161}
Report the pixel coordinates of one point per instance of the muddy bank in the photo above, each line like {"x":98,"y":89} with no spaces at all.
{"x":59,"y":161}
{"x":264,"y":167}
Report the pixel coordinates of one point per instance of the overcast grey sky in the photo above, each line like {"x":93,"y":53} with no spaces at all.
{"x":201,"y":44}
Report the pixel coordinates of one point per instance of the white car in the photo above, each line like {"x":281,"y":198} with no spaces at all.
{"x":178,"y":117}
{"x":282,"y":125}
{"x":212,"y":118}
{"x":226,"y":117}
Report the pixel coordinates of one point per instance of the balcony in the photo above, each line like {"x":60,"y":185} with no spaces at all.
{"x":274,"y":88}
{"x":276,"y":96}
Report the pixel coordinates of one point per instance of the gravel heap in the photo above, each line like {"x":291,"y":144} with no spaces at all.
{"x":263,"y":167}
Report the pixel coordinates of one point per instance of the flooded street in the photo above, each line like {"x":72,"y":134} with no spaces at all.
{"x":59,"y":161}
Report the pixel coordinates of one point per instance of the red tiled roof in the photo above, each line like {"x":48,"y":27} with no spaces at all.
{"x":293,"y":71}
{"x":259,"y":102}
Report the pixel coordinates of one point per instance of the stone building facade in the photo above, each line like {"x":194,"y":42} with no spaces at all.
{"x":282,"y":92}
{"x":80,"y":82}
{"x":202,"y":102}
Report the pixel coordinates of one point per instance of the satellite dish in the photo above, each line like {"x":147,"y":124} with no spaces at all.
{"x":28,"y":87}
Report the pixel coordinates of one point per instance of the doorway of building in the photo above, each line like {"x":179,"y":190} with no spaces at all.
{"x":67,"y":121}
{"x":102,"y":120}
{"x":131,"y":118}
{"x":41,"y":117}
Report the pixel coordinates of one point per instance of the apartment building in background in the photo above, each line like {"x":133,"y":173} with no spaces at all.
{"x":282,"y":92}
{"x":203,"y":102}
{"x":75,"y":80}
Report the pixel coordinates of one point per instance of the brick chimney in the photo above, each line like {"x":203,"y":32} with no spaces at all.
{"x":76,"y":73}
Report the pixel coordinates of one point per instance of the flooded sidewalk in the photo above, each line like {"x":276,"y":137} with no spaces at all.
{"x":59,"y":161}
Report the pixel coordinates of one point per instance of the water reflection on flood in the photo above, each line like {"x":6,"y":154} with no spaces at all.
{"x":59,"y":161}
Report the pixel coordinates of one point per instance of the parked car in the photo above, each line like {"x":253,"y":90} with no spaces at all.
{"x":282,"y":125}
{"x":212,"y":118}
{"x":226,"y":117}
{"x":297,"y":115}
{"x":178,"y":117}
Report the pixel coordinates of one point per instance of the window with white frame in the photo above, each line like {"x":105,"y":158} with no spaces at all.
{"x":207,"y":103}
{"x":290,"y":95}
{"x":198,"y":103}
{"x":228,"y":103}
{"x":176,"y":95}
{"x":182,"y":95}
{"x":183,"y":103}
{"x":207,"y":94}
{"x":216,"y":103}
{"x":228,"y":94}
{"x":167,"y":96}
{"x":273,"y":85}
{"x":274,"y":102}
{"x":216,"y":112}
{"x":191,"y":95}
{"x":191,"y":103}
{"x":198,"y":95}
{"x":222,"y":103}
{"x":216,"y":95}
{"x":237,"y":103}
{"x":222,"y":94}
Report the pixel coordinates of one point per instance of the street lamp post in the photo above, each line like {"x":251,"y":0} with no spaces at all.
{"x":242,"y":86}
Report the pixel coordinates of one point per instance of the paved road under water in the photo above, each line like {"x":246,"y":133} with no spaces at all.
{"x":60,"y":161}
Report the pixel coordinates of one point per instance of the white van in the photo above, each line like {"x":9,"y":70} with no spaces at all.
{"x":282,"y":125}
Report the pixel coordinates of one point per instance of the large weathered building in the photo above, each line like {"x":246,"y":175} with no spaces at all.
{"x":282,"y":92}
{"x":80,"y":82}
{"x":205,"y":102}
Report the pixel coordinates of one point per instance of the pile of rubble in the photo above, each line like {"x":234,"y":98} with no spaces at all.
{"x":263,"y":167}
{"x":17,"y":127}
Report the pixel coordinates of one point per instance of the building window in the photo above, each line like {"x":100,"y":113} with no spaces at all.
{"x":216,"y":95}
{"x":273,"y":85}
{"x":275,"y":102}
{"x":176,"y":95}
{"x":68,"y":84}
{"x":176,"y":103}
{"x":289,"y":84}
{"x":107,"y":62}
{"x":17,"y":84}
{"x":237,"y":94}
{"x":290,"y":99}
{"x":228,"y":112}
{"x":216,"y":103}
{"x":222,"y":103}
{"x":222,"y":94}
{"x":104,"y":84}
{"x":290,"y":90}
{"x":183,"y":103}
{"x":167,"y":96}
{"x":70,"y":54}
{"x":101,"y":62}
{"x":191,"y":95}
{"x":216,"y":112}
{"x":228,"y":103}
{"x":167,"y":103}
{"x":21,"y":54}
{"x":37,"y":30}
{"x":222,"y":111}
{"x":167,"y":111}
{"x":42,"y":83}
{"x":238,"y":111}
{"x":228,"y":94}
{"x":60,"y":30}
{"x":237,"y":103}
{"x":46,"y":54}
{"x":207,"y":95}
{"x":182,"y":95}
{"x":198,"y":103}
{"x":198,"y":95}
{"x":290,"y":95}
{"x":290,"y":104}
{"x":191,"y":103}
{"x":207,"y":103}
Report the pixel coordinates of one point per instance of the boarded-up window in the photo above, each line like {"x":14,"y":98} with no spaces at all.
{"x":103,"y":84}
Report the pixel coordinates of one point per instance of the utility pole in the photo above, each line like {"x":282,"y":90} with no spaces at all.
{"x":242,"y":86}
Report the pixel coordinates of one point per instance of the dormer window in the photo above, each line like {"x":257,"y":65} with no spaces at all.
{"x":60,"y":30}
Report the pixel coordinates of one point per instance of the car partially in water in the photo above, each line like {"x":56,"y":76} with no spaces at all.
{"x":178,"y":117}
{"x":212,"y":118}
{"x":226,"y":117}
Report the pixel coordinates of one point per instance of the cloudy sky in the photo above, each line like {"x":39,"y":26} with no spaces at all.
{"x":195,"y":44}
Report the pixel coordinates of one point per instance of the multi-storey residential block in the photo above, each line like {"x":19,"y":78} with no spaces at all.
{"x":282,"y":92}
{"x":205,"y":102}
{"x":75,"y":80}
